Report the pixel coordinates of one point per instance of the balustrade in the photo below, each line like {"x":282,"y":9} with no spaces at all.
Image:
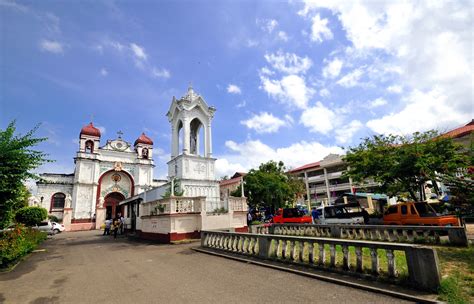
{"x":376,"y":259}
{"x":400,"y":234}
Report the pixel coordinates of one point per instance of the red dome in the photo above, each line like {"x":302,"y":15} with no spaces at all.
{"x":90,"y":130}
{"x":143,"y":139}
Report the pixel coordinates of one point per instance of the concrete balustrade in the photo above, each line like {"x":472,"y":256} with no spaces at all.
{"x":401,"y":234}
{"x":421,"y":262}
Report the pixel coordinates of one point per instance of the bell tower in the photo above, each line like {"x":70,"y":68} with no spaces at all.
{"x":191,"y":138}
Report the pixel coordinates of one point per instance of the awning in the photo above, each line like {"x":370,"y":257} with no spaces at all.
{"x":134,"y":199}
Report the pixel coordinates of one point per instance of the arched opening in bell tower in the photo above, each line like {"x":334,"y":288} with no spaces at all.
{"x":180,"y":136}
{"x":196,"y":144}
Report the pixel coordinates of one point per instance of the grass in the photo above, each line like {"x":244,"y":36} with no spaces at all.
{"x":457,"y":272}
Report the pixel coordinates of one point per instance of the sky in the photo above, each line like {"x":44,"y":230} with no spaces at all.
{"x":291,"y":80}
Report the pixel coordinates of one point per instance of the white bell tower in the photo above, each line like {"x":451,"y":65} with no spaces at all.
{"x":190,"y":118}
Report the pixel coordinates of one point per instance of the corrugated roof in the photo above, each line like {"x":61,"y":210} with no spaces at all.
{"x":307,"y":166}
{"x":461,"y":131}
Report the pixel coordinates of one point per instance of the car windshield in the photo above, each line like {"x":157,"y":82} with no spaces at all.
{"x":292,"y":212}
{"x":425,"y":210}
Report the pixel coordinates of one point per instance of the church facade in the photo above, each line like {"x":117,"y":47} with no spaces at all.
{"x":103,"y":176}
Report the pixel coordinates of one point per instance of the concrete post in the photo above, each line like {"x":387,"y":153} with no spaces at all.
{"x":242,"y":192}
{"x":345,"y":199}
{"x":370,"y":203}
{"x":67,"y":217}
{"x":423,"y":267}
{"x":263,"y":246}
{"x":458,"y":236}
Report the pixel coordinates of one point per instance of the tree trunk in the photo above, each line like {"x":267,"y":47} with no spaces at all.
{"x":412,"y":194}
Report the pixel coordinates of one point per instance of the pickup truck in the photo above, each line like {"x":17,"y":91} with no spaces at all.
{"x":412,"y":213}
{"x":291,"y":215}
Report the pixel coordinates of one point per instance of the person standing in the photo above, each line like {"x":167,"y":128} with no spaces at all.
{"x":315,"y":215}
{"x":108,"y":223}
{"x":116,"y":226}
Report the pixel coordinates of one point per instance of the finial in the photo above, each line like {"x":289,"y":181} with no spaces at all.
{"x":119,"y":133}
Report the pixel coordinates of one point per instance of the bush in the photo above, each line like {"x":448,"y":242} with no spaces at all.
{"x":53,"y":218}
{"x":18,"y":242}
{"x":31,"y":216}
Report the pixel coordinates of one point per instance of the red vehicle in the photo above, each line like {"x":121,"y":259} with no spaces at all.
{"x":291,"y":215}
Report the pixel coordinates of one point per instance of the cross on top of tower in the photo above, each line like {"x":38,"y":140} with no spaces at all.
{"x":119,"y":133}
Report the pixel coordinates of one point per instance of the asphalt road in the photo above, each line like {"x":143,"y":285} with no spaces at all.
{"x":84,"y":267}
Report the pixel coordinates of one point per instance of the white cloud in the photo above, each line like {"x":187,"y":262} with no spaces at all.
{"x":288,"y":63}
{"x":324,"y":93}
{"x":333,"y":68}
{"x":264,"y":123}
{"x":51,"y":46}
{"x":290,"y":90}
{"x":427,"y":45}
{"x":319,"y":119}
{"x":345,"y":133}
{"x":396,"y":89}
{"x":250,"y":154}
{"x":282,"y":36}
{"x":241,"y":104}
{"x":267,"y":25}
{"x":266,"y":71}
{"x":160,"y":73}
{"x":423,"y":111}
{"x":320,"y":30}
{"x":233,"y":89}
{"x":138,"y":51}
{"x":377,"y":103}
{"x":350,"y":79}
{"x":104,"y":72}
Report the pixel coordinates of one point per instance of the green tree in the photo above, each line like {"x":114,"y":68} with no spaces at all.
{"x":17,"y":160}
{"x":31,"y":216}
{"x":177,"y":189}
{"x":270,"y":186}
{"x":403,"y":164}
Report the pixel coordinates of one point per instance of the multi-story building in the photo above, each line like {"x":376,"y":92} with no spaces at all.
{"x":325,"y":182}
{"x":227,"y":186}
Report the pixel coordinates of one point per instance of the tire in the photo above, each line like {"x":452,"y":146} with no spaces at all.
{"x":56,"y":231}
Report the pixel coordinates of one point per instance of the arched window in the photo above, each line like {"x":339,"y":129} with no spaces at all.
{"x":58,"y":201}
{"x":89,"y":146}
{"x":145,"y":153}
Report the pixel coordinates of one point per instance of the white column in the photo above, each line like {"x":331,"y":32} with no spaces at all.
{"x":208,"y":149}
{"x":326,"y":180}
{"x":174,"y":142}
{"x":186,"y":138}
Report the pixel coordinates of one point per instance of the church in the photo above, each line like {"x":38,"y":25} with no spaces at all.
{"x":118,"y":177}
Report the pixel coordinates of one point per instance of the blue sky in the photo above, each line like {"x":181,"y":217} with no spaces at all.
{"x":291,"y":81}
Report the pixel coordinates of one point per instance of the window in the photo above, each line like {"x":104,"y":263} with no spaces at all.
{"x":392,"y":210}
{"x":58,"y":201}
{"x":412,"y":210}
{"x":89,"y":146}
{"x":145,"y":153}
{"x":404,"y":209}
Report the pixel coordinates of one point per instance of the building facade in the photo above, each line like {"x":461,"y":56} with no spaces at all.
{"x":103,"y":176}
{"x":325,"y":182}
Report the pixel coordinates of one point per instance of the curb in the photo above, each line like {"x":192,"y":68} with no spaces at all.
{"x":388,"y":292}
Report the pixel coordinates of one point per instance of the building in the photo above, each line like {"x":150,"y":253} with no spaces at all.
{"x":103,"y":175}
{"x":325,"y":182}
{"x":158,"y":214}
{"x":227,"y":186}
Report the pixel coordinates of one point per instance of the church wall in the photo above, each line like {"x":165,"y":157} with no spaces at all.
{"x":48,"y":190}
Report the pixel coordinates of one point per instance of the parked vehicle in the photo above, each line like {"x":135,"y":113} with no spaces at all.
{"x":341,"y":214}
{"x":411,"y":213}
{"x":291,"y":215}
{"x":57,"y":228}
{"x":45,"y":226}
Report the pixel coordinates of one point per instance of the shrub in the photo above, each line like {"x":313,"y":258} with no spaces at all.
{"x":54,"y":218}
{"x":31,"y":216}
{"x":18,"y":242}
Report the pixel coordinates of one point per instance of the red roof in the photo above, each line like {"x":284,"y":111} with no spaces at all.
{"x":143,"y":139}
{"x":307,"y":166}
{"x":231,"y":181}
{"x":462,"y":131}
{"x":90,"y":130}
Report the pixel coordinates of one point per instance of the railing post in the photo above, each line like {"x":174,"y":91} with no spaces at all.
{"x":458,"y":236}
{"x":263,"y":246}
{"x":423,"y":267}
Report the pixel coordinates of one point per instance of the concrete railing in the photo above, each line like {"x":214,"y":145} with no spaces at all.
{"x":238,"y":203}
{"x":401,"y":234}
{"x":173,"y":205}
{"x":421,"y":262}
